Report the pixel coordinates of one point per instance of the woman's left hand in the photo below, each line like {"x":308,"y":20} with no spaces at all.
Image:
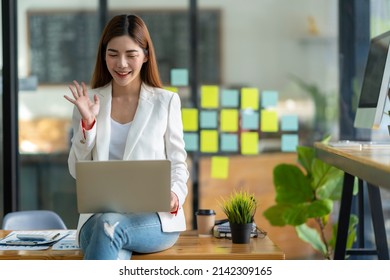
{"x":174,"y":202}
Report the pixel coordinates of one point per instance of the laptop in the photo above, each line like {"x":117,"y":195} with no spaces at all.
{"x":123,"y":186}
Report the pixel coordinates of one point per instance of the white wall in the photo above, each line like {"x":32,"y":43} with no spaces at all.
{"x":263,"y":42}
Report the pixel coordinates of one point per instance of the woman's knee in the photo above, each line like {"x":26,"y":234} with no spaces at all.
{"x":108,"y":223}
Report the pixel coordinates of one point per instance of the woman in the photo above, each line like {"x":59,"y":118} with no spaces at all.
{"x":129,"y":117}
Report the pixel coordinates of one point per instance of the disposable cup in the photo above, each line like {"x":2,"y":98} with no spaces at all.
{"x":205,"y":220}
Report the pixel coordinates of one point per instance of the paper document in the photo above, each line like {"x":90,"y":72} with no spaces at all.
{"x":67,"y":243}
{"x":32,"y":239}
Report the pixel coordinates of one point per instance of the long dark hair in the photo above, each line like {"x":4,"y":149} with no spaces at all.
{"x":135,"y":27}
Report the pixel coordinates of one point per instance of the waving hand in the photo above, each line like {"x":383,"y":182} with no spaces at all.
{"x":88,"y":109}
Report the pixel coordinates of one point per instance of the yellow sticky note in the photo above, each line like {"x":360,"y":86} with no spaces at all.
{"x":209,"y":141}
{"x":209,"y":96}
{"x":269,"y":121}
{"x":219,"y":167}
{"x":249,"y":143}
{"x":173,"y":89}
{"x":250,"y":98}
{"x":190,"y":119}
{"x":229,"y":120}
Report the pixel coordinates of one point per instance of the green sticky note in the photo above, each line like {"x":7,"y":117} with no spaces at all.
{"x":249,"y":143}
{"x":209,"y":97}
{"x":209,"y":141}
{"x":219,"y":167}
{"x":269,"y":121}
{"x":250,"y":120}
{"x":289,"y":123}
{"x":230,"y":98}
{"x":289,"y":142}
{"x":208,"y":119}
{"x":190,"y":119}
{"x":229,"y":142}
{"x":179,"y":77}
{"x":229,"y":120}
{"x":191,"y":141}
{"x":269,"y":98}
{"x":250,"y":98}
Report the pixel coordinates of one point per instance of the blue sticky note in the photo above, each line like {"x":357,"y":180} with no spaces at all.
{"x":250,"y":119}
{"x":269,"y":98}
{"x":208,"y":119}
{"x":230,"y":98}
{"x":229,"y":142}
{"x":191,"y":142}
{"x":289,"y":142}
{"x":289,"y":123}
{"x":179,"y":77}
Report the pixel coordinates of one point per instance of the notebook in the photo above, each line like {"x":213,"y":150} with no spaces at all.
{"x":123,"y":186}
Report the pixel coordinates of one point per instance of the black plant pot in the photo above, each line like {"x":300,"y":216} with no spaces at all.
{"x":241,"y":233}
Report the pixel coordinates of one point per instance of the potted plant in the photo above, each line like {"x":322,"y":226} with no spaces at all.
{"x":240,"y":208}
{"x":305,"y":193}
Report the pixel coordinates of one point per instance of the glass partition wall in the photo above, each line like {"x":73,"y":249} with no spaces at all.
{"x":56,"y":44}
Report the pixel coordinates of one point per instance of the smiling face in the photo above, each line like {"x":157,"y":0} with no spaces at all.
{"x":124,"y":59}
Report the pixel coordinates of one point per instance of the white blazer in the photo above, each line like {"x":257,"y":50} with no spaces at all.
{"x":156,"y":133}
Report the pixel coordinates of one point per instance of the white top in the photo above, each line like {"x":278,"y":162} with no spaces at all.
{"x":118,"y":138}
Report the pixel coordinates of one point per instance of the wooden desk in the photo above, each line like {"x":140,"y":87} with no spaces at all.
{"x":188,"y":247}
{"x":369,"y":164}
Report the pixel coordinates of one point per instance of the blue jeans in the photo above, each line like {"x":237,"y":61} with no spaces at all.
{"x":113,"y":236}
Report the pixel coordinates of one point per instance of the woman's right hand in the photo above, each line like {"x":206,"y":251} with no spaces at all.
{"x":88,"y":109}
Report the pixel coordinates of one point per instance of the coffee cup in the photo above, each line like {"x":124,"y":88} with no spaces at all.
{"x":205,"y":220}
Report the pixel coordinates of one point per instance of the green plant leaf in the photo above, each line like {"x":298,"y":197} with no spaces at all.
{"x":305,"y":158}
{"x":319,"y":208}
{"x":291,"y":185}
{"x":332,"y":188}
{"x":326,"y":176}
{"x":296,"y":214}
{"x":286,"y":214}
{"x":312,"y":237}
{"x":275,"y":214}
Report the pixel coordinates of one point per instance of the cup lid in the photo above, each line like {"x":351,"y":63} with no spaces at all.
{"x":205,"y":212}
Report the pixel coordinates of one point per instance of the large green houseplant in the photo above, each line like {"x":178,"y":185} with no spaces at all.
{"x":308,"y":192}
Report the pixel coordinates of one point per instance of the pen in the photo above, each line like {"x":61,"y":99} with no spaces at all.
{"x":55,"y":236}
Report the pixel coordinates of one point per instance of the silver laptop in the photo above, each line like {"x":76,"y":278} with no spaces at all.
{"x":123,"y":186}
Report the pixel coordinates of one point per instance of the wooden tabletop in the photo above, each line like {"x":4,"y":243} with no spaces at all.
{"x":189,"y":247}
{"x":370,"y":163}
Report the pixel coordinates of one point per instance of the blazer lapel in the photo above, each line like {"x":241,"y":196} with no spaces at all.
{"x":103,"y":122}
{"x":141,"y":118}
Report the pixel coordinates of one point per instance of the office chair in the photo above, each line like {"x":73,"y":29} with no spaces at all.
{"x":33,"y":220}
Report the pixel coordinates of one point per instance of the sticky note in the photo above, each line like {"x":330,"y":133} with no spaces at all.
{"x":229,"y":142}
{"x":209,"y":141}
{"x":229,"y":120}
{"x":173,"y":89}
{"x":208,"y":119}
{"x":209,"y":96}
{"x":289,"y":123}
{"x":230,"y":98}
{"x":190,"y":119}
{"x":179,"y":77}
{"x":269,"y":98}
{"x":269,"y":121}
{"x":250,"y":120}
{"x":250,"y":98}
{"x":249,"y":143}
{"x":191,"y":141}
{"x":289,"y":142}
{"x":219,"y":167}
